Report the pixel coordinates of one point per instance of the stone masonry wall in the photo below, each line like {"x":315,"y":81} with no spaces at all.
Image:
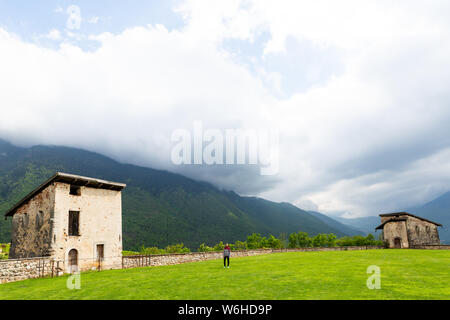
{"x":32,"y":227}
{"x":21,"y":269}
{"x":169,"y":259}
{"x":422,"y":232}
{"x":177,"y":258}
{"x":432,"y":247}
{"x":393,"y":230}
{"x":100,"y":224}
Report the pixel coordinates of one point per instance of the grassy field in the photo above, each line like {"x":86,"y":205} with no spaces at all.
{"x":405,"y":274}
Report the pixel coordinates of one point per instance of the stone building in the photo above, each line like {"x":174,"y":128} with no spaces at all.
{"x":405,"y":230}
{"x":72,"y":219}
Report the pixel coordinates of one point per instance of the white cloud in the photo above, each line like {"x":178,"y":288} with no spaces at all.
{"x":58,"y":9}
{"x":54,"y":34}
{"x":373,"y":138}
{"x":349,"y":24}
{"x":388,"y":190}
{"x":93,"y":20}
{"x":125,"y":96}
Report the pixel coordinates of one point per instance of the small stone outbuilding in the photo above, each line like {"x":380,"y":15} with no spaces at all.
{"x":405,"y":230}
{"x":72,"y":219}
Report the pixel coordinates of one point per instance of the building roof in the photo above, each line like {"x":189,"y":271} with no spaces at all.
{"x":70,"y":179}
{"x":398,"y":217}
{"x":390,"y":220}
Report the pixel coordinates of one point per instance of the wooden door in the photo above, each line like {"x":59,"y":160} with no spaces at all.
{"x":398,"y":243}
{"x":73,"y":261}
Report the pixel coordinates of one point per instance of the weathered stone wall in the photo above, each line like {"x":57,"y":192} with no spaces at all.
{"x":412,"y":231}
{"x":421,"y":232}
{"x":169,"y":259}
{"x":432,"y":247}
{"x":177,"y":258}
{"x":394,"y":230}
{"x":32,"y":227}
{"x":40,"y":227}
{"x":21,"y":269}
{"x":100,"y":214}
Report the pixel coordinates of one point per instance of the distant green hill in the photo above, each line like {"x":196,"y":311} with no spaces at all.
{"x":348,"y":229}
{"x":365,"y":224}
{"x":438,"y":211}
{"x":159,"y":207}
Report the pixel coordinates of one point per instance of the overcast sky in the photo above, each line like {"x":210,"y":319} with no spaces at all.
{"x":358,"y":90}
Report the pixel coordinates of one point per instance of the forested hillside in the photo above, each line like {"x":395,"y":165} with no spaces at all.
{"x":159,"y":207}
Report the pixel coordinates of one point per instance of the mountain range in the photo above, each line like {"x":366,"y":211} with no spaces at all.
{"x":162,"y":208}
{"x":159,"y":207}
{"x":437,"y":210}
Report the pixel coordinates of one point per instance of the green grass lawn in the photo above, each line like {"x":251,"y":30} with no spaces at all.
{"x":405,"y":274}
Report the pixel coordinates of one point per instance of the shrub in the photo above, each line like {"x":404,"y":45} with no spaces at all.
{"x":240,"y":245}
{"x":359,"y":241}
{"x":319,"y":240}
{"x":292,"y":241}
{"x":274,"y":243}
{"x":331,"y":240}
{"x":151,"y":250}
{"x":255,"y":241}
{"x":303,"y":240}
{"x":130,"y":253}
{"x":204,"y":248}
{"x":219,"y":246}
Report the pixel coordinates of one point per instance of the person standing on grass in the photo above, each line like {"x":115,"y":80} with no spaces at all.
{"x":226,"y":256}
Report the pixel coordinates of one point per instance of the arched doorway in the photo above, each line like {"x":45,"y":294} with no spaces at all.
{"x":73,"y":261}
{"x":397,"y":243}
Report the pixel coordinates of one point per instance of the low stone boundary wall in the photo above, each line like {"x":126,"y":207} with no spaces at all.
{"x":433,"y":247}
{"x":177,"y":258}
{"x":21,"y":269}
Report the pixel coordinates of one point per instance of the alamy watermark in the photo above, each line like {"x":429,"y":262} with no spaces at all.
{"x":229,"y":146}
{"x":74,"y":281}
{"x":74,"y":20}
{"x":374,"y":281}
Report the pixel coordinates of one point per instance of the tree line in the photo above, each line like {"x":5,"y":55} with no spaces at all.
{"x":257,"y":241}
